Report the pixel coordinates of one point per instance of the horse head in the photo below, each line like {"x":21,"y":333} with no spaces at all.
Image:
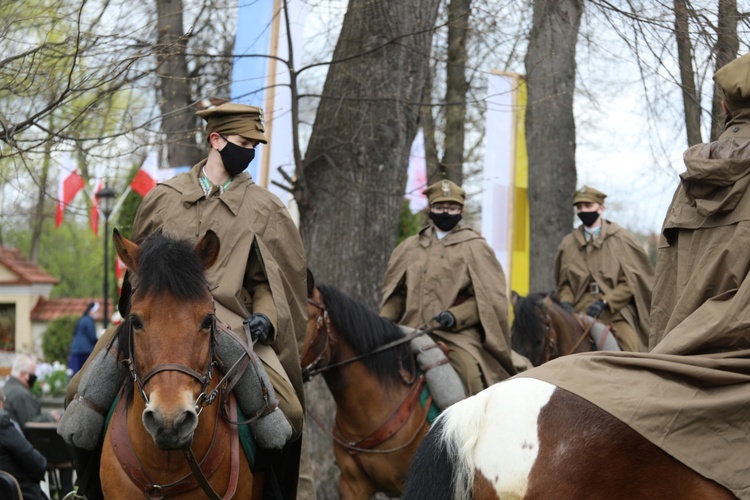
{"x":531,"y":332}
{"x":168,"y":333}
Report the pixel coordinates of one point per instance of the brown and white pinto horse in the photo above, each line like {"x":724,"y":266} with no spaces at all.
{"x":167,"y":437}
{"x":379,"y":420}
{"x":525,"y":438}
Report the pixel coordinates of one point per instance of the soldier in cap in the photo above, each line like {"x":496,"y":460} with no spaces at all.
{"x":602,"y":270}
{"x":259,"y":282}
{"x":702,"y":264}
{"x":448,"y":274}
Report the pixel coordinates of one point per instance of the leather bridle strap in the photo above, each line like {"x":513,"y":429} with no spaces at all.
{"x":586,"y":330}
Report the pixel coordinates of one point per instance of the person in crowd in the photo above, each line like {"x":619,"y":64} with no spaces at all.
{"x":19,"y":458}
{"x":259,"y":282}
{"x":20,"y":403}
{"x":84,"y":338}
{"x":603,"y":271}
{"x":447,"y":275}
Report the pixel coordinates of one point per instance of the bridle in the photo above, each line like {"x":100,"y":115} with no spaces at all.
{"x":317,"y":354}
{"x":204,"y":379}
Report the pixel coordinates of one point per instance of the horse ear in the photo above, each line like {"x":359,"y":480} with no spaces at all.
{"x":208,"y":249}
{"x":514,"y":297}
{"x":126,"y":250}
{"x":310,"y":283}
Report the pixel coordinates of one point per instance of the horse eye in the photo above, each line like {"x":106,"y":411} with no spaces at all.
{"x":207,"y":323}
{"x":136,"y":322}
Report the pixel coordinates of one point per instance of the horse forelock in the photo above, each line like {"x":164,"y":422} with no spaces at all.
{"x":529,"y":327}
{"x":169,"y":265}
{"x":365,"y":331}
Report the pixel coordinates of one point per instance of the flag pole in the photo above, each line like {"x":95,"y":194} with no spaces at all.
{"x":270,"y":91}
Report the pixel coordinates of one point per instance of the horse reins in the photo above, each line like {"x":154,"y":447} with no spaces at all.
{"x":308,"y":372}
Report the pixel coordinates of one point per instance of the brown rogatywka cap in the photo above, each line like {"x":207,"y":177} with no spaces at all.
{"x":235,"y":119}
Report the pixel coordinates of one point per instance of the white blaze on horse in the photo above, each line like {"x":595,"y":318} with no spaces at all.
{"x":526,"y":438}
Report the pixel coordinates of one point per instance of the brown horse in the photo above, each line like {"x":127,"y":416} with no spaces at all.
{"x":167,"y":437}
{"x":379,"y":421}
{"x":543,"y":329}
{"x":525,"y":438}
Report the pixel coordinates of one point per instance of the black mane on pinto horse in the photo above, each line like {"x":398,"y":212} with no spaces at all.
{"x":365,"y":331}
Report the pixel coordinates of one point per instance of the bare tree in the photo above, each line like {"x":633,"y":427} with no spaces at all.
{"x":690,"y":97}
{"x":550,"y":130}
{"x":351,"y":186}
{"x":726,"y":48}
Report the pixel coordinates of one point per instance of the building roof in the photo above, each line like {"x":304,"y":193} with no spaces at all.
{"x":27,"y":272}
{"x":51,"y":309}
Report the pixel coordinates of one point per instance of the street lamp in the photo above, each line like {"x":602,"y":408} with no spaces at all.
{"x":105,"y":197}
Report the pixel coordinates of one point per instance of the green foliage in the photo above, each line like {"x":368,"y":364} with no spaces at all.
{"x":57,"y":338}
{"x":128,"y":209}
{"x":409,"y":224}
{"x":7,"y":327}
{"x":53,"y":379}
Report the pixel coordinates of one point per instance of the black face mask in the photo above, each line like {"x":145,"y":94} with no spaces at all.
{"x":236,"y":158}
{"x":588,"y":218}
{"x":445,"y":222}
{"x":32,"y":379}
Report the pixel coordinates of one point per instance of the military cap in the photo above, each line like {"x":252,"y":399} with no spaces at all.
{"x":235,"y":119}
{"x":587,"y":194}
{"x":734,"y":80}
{"x":445,"y":190}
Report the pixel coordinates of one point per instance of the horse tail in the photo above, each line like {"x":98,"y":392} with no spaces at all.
{"x":444,"y":462}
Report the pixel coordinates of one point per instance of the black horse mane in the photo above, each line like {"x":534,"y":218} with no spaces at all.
{"x":528,"y":326}
{"x":365,"y":331}
{"x":165,"y":265}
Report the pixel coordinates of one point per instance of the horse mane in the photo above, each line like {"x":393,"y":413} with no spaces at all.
{"x":529,"y":324}
{"x":170,"y":265}
{"x":365,"y":331}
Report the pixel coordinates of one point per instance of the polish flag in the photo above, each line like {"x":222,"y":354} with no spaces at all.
{"x":67,"y":190}
{"x":94,"y":214}
{"x":150,"y":174}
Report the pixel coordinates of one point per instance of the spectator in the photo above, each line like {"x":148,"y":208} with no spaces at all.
{"x":19,"y":458}
{"x":84,"y":338}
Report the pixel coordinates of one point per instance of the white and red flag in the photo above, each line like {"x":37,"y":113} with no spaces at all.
{"x":71,"y":183}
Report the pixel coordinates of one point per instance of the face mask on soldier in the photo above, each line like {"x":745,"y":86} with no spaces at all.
{"x":235,"y":158}
{"x":446,"y":221}
{"x":588,"y":218}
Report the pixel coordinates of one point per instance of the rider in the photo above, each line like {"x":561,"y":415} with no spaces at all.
{"x":259,"y":279}
{"x":449,"y":274}
{"x":602,"y":270}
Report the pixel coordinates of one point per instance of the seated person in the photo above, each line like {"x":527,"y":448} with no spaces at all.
{"x":19,"y":458}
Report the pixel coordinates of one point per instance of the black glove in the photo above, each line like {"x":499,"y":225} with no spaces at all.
{"x":260,"y":327}
{"x":446,"y":319}
{"x":567,"y":306}
{"x":596,"y":308}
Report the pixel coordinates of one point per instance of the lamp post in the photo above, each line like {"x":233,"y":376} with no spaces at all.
{"x":105,"y":197}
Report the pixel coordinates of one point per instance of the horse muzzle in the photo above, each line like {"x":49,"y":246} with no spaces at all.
{"x":170,"y":430}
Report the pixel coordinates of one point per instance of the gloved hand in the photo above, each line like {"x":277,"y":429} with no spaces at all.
{"x":260,"y":327}
{"x":567,"y":306}
{"x":596,"y":308}
{"x":446,"y":319}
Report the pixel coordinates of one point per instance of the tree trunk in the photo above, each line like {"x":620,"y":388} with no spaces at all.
{"x":354,"y":173}
{"x":427,"y":122}
{"x":550,"y":131}
{"x":456,"y":89}
{"x":39,"y":215}
{"x":727,"y":46}
{"x":690,"y":99}
{"x":178,"y":117}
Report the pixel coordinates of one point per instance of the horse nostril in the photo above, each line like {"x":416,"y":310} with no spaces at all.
{"x":186,"y":423}
{"x":150,"y":419}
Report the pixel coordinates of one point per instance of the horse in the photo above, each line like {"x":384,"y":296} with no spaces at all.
{"x":543,"y":329}
{"x":526,"y":438}
{"x":379,"y":420}
{"x":169,"y":435}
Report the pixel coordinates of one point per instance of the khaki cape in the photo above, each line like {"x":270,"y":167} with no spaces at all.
{"x":691,"y":395}
{"x":435,"y":272}
{"x":251,"y":223}
{"x":614,"y":253}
